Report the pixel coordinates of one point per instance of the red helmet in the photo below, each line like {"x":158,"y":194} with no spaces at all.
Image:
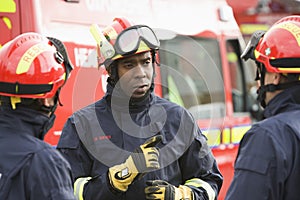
{"x":122,"y":38}
{"x":279,"y":47}
{"x":31,"y":67}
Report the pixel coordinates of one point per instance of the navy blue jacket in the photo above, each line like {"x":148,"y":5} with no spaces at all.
{"x":30,"y":169}
{"x":268,"y":161}
{"x":104,"y":134}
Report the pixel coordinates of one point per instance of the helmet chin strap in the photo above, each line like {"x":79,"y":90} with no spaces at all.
{"x":261,"y":93}
{"x":47,"y":126}
{"x":263,"y":89}
{"x":49,"y":109}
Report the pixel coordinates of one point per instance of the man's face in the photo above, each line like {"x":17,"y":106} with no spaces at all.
{"x":135,"y":74}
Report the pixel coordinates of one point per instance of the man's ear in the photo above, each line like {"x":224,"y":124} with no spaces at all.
{"x":276,"y":78}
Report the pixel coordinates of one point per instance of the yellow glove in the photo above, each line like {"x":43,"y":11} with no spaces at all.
{"x":142,"y":160}
{"x":162,"y":190}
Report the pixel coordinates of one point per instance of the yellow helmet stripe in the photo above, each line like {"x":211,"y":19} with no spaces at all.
{"x":142,"y":48}
{"x":296,"y":70}
{"x":29,"y":56}
{"x":292,"y":28}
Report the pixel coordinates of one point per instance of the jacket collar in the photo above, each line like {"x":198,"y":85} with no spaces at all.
{"x":23,"y":120}
{"x":119,"y":101}
{"x":287,"y":100}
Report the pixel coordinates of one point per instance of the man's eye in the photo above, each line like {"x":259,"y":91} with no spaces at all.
{"x":147,"y":62}
{"x":128,"y":66}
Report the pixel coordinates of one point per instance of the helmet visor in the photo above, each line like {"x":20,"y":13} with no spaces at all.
{"x":129,"y":40}
{"x":249,"y":50}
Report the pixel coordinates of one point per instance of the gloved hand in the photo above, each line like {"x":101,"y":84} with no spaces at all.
{"x":142,"y":160}
{"x":162,"y":190}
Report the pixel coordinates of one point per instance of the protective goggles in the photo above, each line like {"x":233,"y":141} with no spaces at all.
{"x":128,"y":41}
{"x":249,"y":50}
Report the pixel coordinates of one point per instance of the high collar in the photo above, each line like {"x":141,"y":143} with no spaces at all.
{"x":119,"y":101}
{"x":287,"y":100}
{"x":23,"y":120}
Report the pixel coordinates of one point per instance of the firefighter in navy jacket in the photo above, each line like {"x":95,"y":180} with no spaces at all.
{"x":33,"y":68}
{"x":132,"y":144}
{"x":268,"y":161}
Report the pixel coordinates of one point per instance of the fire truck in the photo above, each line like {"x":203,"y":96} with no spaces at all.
{"x":200,"y":66}
{"x":252,"y":15}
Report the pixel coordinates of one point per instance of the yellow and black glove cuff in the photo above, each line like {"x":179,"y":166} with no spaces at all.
{"x":197,"y":182}
{"x":162,"y":190}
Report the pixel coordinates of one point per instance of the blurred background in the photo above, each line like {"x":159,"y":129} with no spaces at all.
{"x":252,"y":15}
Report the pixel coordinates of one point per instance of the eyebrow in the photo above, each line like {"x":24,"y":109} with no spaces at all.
{"x":133,"y":59}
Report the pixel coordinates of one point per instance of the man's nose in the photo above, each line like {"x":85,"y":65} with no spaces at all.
{"x":140,"y":71}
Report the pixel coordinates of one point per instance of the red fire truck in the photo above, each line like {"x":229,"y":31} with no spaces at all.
{"x":200,"y":45}
{"x":252,"y":15}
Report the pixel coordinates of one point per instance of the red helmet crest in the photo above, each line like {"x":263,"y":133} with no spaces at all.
{"x":122,"y":38}
{"x":31,"y":67}
{"x":279,"y":48}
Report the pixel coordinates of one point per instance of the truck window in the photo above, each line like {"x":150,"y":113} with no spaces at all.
{"x":242,"y":79}
{"x":237,"y":78}
{"x":191,"y":75}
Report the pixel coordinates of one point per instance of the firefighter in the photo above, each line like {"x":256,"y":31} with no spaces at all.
{"x":33,"y":69}
{"x":132,"y":144}
{"x":268,"y":161}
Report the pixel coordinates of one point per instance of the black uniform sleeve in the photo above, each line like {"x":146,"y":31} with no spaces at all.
{"x":84,"y":171}
{"x":72,"y":149}
{"x":49,"y":176}
{"x":253,"y":167}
